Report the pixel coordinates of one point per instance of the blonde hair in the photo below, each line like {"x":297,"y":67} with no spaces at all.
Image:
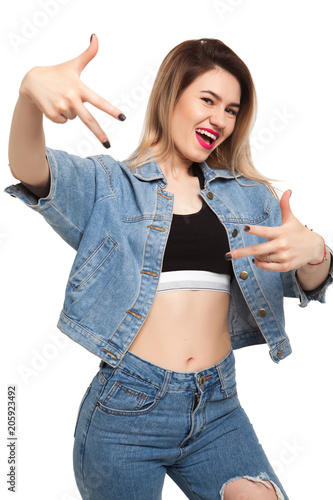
{"x":184,"y":63}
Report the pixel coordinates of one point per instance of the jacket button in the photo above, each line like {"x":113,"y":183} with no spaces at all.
{"x":202,"y":380}
{"x":244,"y":275}
{"x":234,"y":233}
{"x":280,"y":353}
{"x":262,"y":313}
{"x":210,"y":195}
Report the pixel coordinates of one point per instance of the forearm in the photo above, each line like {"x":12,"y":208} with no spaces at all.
{"x":26,"y":150}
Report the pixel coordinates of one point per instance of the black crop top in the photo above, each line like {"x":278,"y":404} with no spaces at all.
{"x":194,"y":253}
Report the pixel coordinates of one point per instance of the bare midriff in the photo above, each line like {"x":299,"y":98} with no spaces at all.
{"x":185,"y":330}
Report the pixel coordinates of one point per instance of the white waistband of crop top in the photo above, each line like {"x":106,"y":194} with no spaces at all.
{"x":193,"y":280}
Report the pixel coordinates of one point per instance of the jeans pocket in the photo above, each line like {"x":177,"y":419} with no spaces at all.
{"x":81,"y":405}
{"x":127,"y":394}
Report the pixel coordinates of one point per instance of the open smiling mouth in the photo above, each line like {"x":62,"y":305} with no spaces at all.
{"x":206,"y":138}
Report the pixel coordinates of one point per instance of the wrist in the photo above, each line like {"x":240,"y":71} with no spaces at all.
{"x":24,"y":90}
{"x":27,"y":107}
{"x":319,"y":251}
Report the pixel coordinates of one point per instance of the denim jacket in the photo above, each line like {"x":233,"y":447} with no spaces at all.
{"x":119,"y":221}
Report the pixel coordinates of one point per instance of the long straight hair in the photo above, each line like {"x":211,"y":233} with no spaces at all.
{"x":184,"y":63}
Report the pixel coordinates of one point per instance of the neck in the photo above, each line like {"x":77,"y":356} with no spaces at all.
{"x":174,"y":167}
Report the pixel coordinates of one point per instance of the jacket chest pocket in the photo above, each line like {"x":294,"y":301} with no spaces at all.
{"x":252,"y":216}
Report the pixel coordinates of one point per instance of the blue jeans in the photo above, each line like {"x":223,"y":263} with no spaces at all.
{"x":139,"y":421}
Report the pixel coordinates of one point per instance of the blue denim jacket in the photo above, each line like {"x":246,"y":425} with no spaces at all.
{"x":119,"y":221}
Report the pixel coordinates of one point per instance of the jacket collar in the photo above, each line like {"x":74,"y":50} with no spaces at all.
{"x":152,"y":171}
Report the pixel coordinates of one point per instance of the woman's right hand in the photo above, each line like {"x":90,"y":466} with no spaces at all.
{"x":59,"y":93}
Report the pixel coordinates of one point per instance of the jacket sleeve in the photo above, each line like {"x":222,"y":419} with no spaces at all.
{"x":72,"y":195}
{"x":291,"y":284}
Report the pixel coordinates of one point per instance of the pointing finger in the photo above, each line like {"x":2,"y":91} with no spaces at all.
{"x":101,"y":103}
{"x":251,"y":251}
{"x":88,"y":119}
{"x":263,"y":231}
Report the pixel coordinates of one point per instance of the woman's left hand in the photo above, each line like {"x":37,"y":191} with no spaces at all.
{"x":289,"y":246}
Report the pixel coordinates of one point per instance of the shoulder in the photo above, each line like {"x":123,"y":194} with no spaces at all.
{"x":252,"y":198}
{"x":258,"y":194}
{"x":244,"y":186}
{"x":252,"y":190}
{"x":111,"y":165}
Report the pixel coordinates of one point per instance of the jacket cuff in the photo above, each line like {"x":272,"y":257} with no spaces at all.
{"x":28,"y":197}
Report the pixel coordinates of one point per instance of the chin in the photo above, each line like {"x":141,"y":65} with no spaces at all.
{"x":195,"y":156}
{"x":201,"y":157}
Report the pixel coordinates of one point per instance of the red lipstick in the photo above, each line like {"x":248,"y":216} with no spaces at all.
{"x":202,"y":142}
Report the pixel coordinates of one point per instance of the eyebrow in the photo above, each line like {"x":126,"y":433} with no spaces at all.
{"x":218,"y":98}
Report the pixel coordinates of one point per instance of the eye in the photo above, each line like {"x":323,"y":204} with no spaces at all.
{"x":208,"y":100}
{"x":231,"y":111}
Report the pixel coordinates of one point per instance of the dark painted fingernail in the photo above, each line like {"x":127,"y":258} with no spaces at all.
{"x":121,"y":117}
{"x":106,"y":144}
{"x":246,"y":228}
{"x":290,"y":192}
{"x":253,"y":260}
{"x":91,"y":37}
{"x":228,"y":256}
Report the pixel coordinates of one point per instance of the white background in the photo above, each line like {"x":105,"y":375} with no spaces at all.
{"x":287,"y":46}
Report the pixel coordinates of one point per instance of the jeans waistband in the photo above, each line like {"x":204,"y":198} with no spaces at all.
{"x":177,"y":380}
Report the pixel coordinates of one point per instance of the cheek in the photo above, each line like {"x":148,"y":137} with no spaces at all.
{"x":230,"y":127}
{"x":180,"y":125}
{"x":228,"y":131}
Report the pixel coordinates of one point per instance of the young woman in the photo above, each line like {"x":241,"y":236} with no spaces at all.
{"x":184,"y":253}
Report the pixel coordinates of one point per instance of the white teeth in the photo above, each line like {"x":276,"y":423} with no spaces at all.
{"x":202,"y":131}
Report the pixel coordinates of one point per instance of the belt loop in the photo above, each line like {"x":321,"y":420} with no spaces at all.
{"x":164,"y":386}
{"x":221,"y":377}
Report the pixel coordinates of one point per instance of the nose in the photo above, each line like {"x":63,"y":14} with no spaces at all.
{"x":218,"y":119}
